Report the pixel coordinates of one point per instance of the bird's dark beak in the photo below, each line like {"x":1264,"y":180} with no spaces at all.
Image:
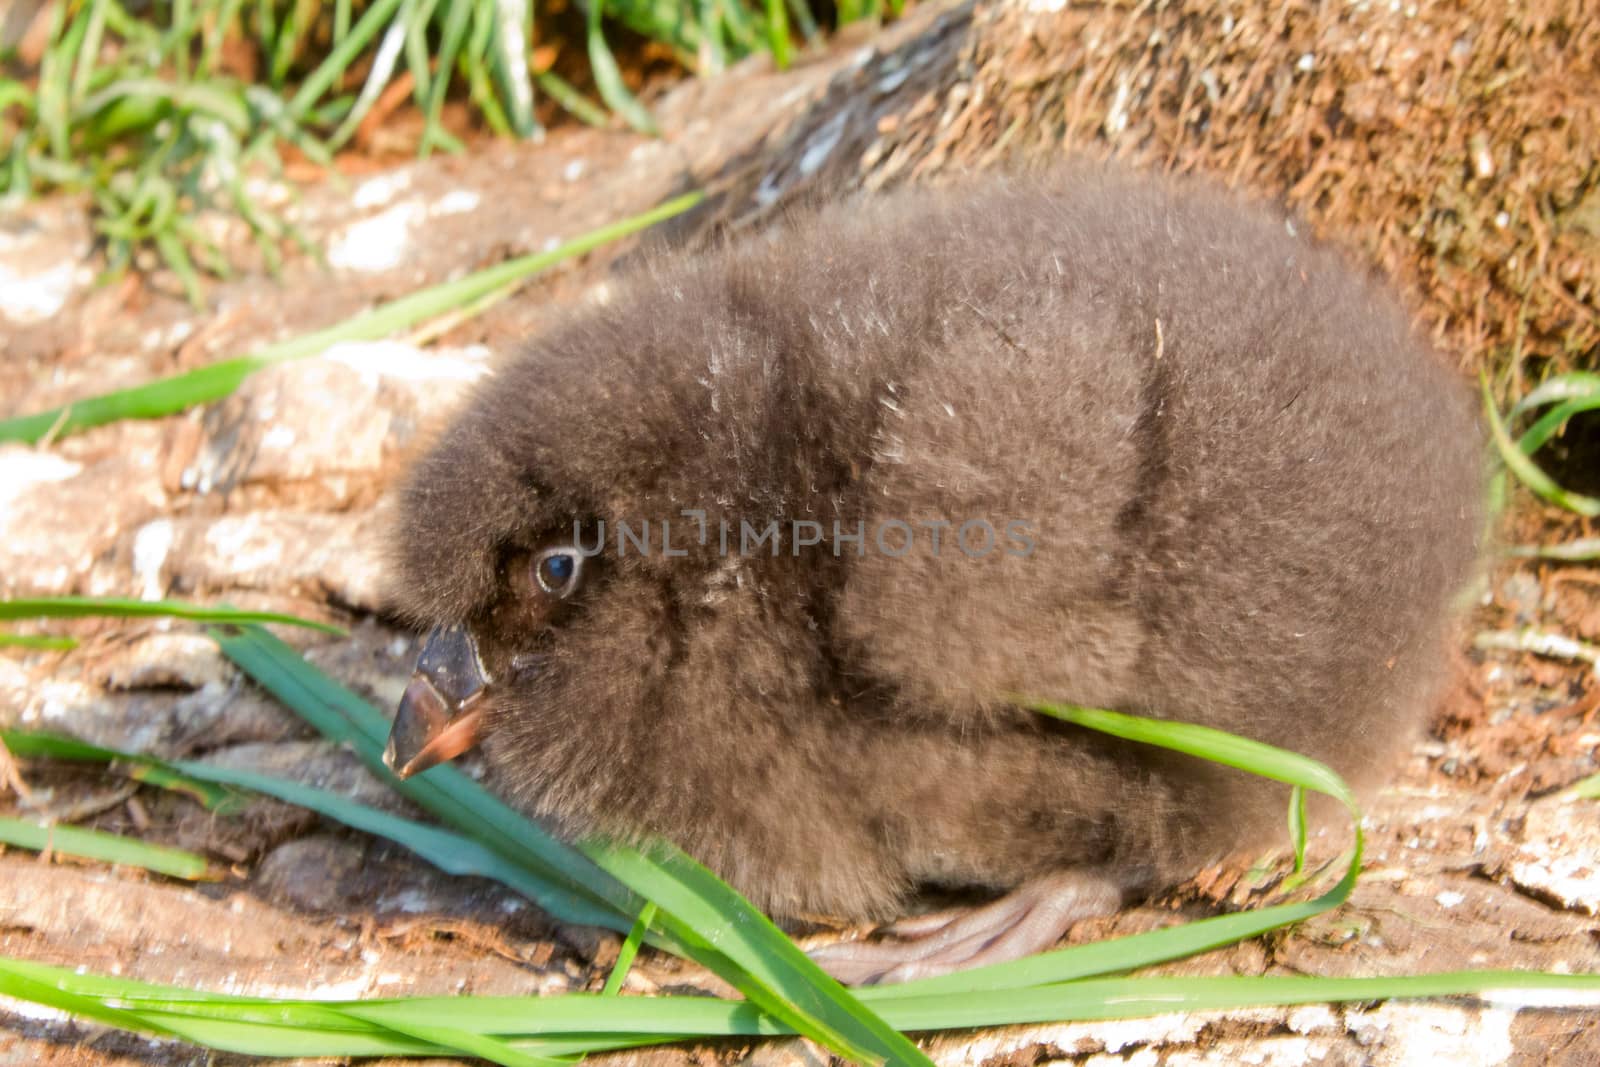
{"x":441,"y":713}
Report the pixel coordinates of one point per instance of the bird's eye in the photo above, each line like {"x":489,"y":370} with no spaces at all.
{"x":557,"y":570}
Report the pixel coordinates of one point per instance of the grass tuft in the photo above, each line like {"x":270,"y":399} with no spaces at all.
{"x":158,"y":113}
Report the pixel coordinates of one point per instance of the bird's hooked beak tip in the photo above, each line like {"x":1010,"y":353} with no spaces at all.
{"x":441,"y":714}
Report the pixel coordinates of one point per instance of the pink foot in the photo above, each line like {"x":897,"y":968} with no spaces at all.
{"x":1029,"y":919}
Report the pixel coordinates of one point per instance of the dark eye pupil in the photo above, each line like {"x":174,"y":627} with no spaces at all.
{"x":558,"y":568}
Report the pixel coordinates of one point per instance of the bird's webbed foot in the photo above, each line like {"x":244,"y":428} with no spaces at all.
{"x":1029,"y":919}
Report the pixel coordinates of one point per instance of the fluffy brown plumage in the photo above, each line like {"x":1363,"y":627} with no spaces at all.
{"x":1250,"y":492}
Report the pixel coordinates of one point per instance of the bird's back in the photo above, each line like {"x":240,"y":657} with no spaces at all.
{"x":1250,"y":491}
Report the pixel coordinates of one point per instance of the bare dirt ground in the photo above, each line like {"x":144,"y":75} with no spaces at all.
{"x":1454,"y":146}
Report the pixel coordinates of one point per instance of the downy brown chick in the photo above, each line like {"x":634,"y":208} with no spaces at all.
{"x":754,"y":557}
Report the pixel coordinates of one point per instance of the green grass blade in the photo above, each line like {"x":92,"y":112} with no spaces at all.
{"x":456,"y":21}
{"x":268,"y":1039}
{"x":1297,"y":827}
{"x":88,"y":53}
{"x":482,"y":1046}
{"x":629,"y":949}
{"x":1526,"y":470}
{"x":98,"y":845}
{"x":713,"y":53}
{"x":1570,"y":386}
{"x":801,"y":10}
{"x":1576,"y":551}
{"x":508,"y":59}
{"x":212,"y":101}
{"x":43,"y":642}
{"x":344,"y":53}
{"x":168,"y":396}
{"x":78,"y":607}
{"x":414,"y":14}
{"x":16,"y":982}
{"x":290,"y":35}
{"x":1128,"y":998}
{"x":177,"y":260}
{"x":1585,"y":789}
{"x":383,"y":65}
{"x":214,"y":32}
{"x":566,"y":94}
{"x":1551,"y":422}
{"x":1218,"y":746}
{"x":39,"y":744}
{"x":778,"y":33}
{"x":54,"y":88}
{"x":608,"y":77}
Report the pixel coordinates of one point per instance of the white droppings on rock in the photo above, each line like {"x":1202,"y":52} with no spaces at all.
{"x":1555,"y":999}
{"x":279,"y":437}
{"x":22,"y":469}
{"x":150,"y":547}
{"x":1313,"y":1019}
{"x":378,"y":243}
{"x":1114,"y":1037}
{"x":1449,"y":898}
{"x":171,"y":336}
{"x":27,"y":1009}
{"x":398,"y":360}
{"x":57,"y":519}
{"x":38,"y":294}
{"x":1117,"y":114}
{"x":349,"y":989}
{"x":239,"y":540}
{"x":822,"y":143}
{"x":163,"y":661}
{"x":316,"y":553}
{"x":1401,"y":1032}
{"x":892,"y":81}
{"x":411,"y":901}
{"x":269,"y":192}
{"x":457,"y":202}
{"x":377,"y":191}
{"x":1559,"y":857}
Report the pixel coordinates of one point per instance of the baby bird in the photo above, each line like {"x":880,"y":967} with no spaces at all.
{"x":759,"y":557}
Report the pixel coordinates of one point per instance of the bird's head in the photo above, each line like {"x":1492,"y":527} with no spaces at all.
{"x":551,"y":637}
{"x":463,"y":666}
{"x":498,"y":550}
